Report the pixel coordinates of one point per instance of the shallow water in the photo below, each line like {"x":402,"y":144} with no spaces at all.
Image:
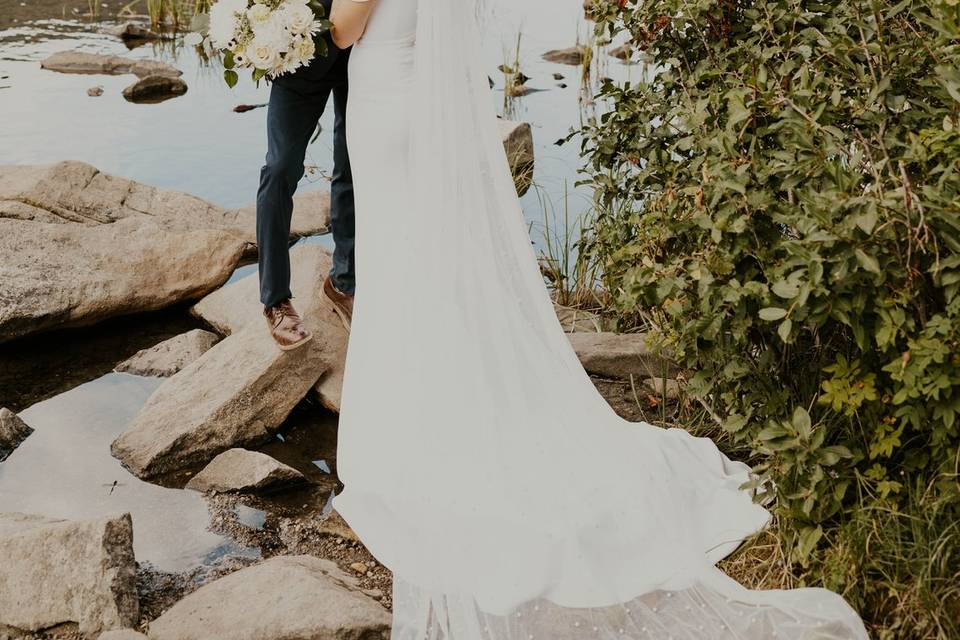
{"x":62,"y":384}
{"x":64,"y":470}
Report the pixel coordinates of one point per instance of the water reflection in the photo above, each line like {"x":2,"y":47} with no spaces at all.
{"x":65,"y":470}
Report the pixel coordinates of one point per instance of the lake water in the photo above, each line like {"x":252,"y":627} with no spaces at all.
{"x":62,"y":385}
{"x":195,"y":143}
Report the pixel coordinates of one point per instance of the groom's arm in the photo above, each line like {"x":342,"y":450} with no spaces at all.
{"x":349,"y":18}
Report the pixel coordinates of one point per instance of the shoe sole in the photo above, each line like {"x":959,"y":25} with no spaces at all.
{"x":342,"y":315}
{"x":295,"y":345}
{"x":344,"y":319}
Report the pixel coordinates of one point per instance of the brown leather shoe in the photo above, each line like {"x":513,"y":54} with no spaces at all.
{"x":286,"y":327}
{"x":342,"y":302}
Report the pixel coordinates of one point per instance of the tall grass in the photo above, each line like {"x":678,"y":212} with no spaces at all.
{"x":573,"y":276}
{"x":176,"y":14}
{"x":898,"y":567}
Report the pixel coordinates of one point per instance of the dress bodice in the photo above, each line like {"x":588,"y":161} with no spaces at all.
{"x":392,"y":20}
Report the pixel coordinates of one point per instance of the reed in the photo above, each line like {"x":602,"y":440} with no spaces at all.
{"x":573,"y":276}
{"x":176,"y":14}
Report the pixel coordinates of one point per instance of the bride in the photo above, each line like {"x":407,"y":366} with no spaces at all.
{"x":480,"y":463}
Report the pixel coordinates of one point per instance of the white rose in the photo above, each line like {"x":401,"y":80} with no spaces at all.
{"x":263,"y":55}
{"x":258,"y":13}
{"x":300,"y":19}
{"x":223,"y":21}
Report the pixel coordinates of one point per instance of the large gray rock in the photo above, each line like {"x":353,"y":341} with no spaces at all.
{"x":60,"y":275}
{"x":288,"y":597}
{"x":84,"y":62}
{"x":236,"y":394}
{"x":619,"y":355}
{"x":242,"y":470}
{"x":58,"y":572}
{"x":80,"y":193}
{"x":13,"y":431}
{"x":170,"y":356}
{"x":78,"y":246}
{"x":231,"y":308}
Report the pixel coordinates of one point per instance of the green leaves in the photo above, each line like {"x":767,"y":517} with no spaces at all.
{"x":772,"y":313}
{"x":780,"y":203}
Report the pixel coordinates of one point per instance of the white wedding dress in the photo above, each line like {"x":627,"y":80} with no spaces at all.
{"x":480,"y":463}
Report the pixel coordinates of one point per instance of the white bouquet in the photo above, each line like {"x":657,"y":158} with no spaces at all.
{"x":271,"y":37}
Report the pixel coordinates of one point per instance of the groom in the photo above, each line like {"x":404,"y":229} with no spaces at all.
{"x":297,"y":100}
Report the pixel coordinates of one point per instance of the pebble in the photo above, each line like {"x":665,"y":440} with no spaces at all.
{"x":359,"y":567}
{"x":93,"y":92}
{"x":376,"y":594}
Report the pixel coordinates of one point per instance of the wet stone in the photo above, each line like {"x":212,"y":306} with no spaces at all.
{"x":13,"y":431}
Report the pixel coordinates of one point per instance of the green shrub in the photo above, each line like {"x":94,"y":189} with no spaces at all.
{"x":780,"y":198}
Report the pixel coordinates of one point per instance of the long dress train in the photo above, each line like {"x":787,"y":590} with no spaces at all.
{"x":480,"y":463}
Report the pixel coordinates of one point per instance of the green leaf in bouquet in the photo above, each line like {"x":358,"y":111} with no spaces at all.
{"x":318,"y":8}
{"x":228,"y":61}
{"x":258,"y":75}
{"x":230,"y":77}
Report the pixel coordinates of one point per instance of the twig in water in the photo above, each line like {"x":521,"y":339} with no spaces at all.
{"x":243,"y":108}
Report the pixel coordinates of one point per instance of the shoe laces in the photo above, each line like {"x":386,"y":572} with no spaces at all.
{"x":285,"y":310}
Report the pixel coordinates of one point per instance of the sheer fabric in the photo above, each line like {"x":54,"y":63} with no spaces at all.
{"x":480,"y":463}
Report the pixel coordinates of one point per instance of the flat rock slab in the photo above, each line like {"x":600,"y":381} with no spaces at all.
{"x":76,"y":192}
{"x":84,"y":62}
{"x":231,"y":308}
{"x":170,"y":356}
{"x":13,"y":431}
{"x":237,"y":394}
{"x":620,"y":355}
{"x":288,"y":597}
{"x":80,"y":246}
{"x":58,"y":572}
{"x":242,"y":470}
{"x":60,"y":275}
{"x":153,"y":89}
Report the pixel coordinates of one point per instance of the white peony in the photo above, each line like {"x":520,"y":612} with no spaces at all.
{"x":224,"y":21}
{"x":273,"y":32}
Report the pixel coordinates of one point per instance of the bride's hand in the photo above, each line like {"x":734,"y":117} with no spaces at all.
{"x":349,"y":18}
